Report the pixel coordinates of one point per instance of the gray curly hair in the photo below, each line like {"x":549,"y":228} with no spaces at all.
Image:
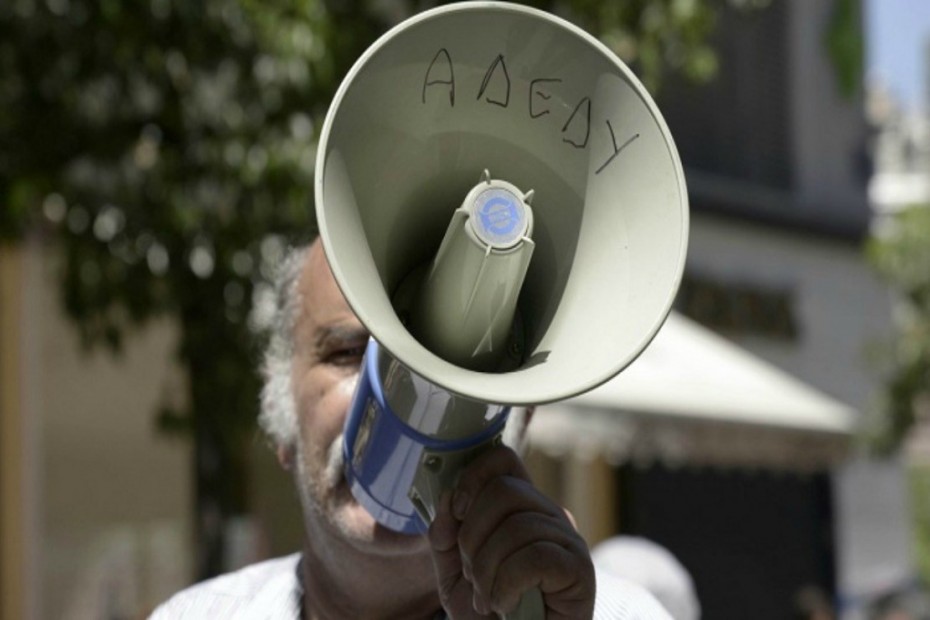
{"x":278,"y":414}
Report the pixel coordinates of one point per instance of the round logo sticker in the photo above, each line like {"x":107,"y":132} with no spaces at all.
{"x":499,"y":217}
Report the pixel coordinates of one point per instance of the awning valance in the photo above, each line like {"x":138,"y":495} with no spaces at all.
{"x":693,"y":397}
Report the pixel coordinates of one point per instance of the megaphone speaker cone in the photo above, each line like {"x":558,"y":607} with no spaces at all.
{"x":543,"y":106}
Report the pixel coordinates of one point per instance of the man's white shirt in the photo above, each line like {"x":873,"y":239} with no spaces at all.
{"x":271,"y":590}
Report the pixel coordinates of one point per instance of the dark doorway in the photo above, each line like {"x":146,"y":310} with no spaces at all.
{"x":751,"y":540}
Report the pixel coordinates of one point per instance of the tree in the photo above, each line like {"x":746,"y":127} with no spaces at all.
{"x":901,"y":253}
{"x":166,"y":149}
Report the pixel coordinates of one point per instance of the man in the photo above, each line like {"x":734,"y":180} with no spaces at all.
{"x":493,"y":538}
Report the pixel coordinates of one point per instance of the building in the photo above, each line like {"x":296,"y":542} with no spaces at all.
{"x":95,"y":505}
{"x":777,"y":165}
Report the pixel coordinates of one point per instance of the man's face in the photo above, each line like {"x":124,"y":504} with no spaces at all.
{"x":329,"y":345}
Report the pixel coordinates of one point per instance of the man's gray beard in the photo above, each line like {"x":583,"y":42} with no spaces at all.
{"x":316,"y":490}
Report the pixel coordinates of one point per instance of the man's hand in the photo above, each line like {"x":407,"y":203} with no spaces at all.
{"x":496,"y":537}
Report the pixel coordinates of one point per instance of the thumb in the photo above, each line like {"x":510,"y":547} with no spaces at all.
{"x":455,"y":592}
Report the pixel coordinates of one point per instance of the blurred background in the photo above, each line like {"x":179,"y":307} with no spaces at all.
{"x":156,"y":159}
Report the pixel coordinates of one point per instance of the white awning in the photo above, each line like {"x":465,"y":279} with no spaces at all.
{"x":694,"y":397}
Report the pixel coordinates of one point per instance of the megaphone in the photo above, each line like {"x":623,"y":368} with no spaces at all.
{"x":586,"y":173}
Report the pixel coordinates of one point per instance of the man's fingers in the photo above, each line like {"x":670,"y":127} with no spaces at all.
{"x":455,"y":592}
{"x":559,"y":573}
{"x":498,"y":461}
{"x":447,"y":561}
{"x":517,"y":532}
{"x":500,"y":498}
{"x":443,"y":531}
{"x":496,"y":537}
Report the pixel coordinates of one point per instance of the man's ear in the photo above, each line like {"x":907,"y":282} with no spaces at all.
{"x":515,"y":431}
{"x":527,"y":418}
{"x":285,"y":454}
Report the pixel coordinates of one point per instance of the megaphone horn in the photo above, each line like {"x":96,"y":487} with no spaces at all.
{"x":402,"y":146}
{"x":532,"y":283}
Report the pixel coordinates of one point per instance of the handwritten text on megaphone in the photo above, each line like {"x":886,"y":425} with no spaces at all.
{"x":577,"y":127}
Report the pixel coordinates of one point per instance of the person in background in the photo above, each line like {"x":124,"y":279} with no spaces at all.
{"x":653,"y":567}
